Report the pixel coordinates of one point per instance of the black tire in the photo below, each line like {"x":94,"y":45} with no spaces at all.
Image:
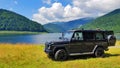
{"x":99,"y":52}
{"x":60,"y":55}
{"x":51,"y":56}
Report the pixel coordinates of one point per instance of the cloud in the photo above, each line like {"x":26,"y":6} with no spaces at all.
{"x":98,"y":7}
{"x":57,"y":12}
{"x":103,"y":5}
{"x":11,"y":9}
{"x":78,"y":9}
{"x":47,"y":1}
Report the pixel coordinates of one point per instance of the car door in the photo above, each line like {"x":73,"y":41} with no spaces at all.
{"x":76,"y":43}
{"x":100,"y":39}
{"x":89,"y":41}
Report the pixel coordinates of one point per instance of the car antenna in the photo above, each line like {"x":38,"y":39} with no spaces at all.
{"x":82,"y":28}
{"x":98,"y":29}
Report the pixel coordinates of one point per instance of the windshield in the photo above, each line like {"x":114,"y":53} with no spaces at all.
{"x":68,"y":35}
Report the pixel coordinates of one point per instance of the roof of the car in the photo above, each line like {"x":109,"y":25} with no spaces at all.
{"x":90,"y":30}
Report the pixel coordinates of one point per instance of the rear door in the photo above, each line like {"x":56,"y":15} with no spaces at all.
{"x":89,"y":41}
{"x":100,"y":39}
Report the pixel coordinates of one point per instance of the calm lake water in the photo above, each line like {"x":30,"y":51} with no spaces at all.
{"x":34,"y":39}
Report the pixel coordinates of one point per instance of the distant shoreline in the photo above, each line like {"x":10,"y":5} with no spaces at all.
{"x":19,"y":32}
{"x":25,"y":44}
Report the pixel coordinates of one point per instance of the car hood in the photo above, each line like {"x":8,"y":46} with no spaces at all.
{"x":57,"y":42}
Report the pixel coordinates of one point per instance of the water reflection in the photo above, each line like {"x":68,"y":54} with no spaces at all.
{"x":36,"y":39}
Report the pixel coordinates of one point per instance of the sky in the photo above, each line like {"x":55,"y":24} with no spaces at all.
{"x":46,"y":11}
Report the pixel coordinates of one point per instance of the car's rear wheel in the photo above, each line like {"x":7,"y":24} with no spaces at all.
{"x":60,"y":55}
{"x":99,"y":52}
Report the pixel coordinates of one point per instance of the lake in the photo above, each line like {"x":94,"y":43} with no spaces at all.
{"x":31,"y":39}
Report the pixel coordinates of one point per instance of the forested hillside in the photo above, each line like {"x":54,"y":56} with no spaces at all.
{"x":53,"y":28}
{"x":11,"y":21}
{"x":110,"y":21}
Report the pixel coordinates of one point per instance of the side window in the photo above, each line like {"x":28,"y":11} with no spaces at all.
{"x":78,"y":36}
{"x":89,"y":36}
{"x":105,"y":35}
{"x":99,"y":36}
{"x":108,"y":33}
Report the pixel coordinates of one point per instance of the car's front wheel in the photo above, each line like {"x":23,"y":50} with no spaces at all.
{"x":99,"y":52}
{"x":60,"y":55}
{"x":51,"y":56}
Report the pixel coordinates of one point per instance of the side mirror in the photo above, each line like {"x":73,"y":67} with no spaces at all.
{"x":62,"y":34}
{"x":60,"y":37}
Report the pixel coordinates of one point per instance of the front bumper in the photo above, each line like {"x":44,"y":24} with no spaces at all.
{"x":48,"y":48}
{"x":48,"y":51}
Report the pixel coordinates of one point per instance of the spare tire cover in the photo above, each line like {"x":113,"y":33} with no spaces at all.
{"x":111,"y":40}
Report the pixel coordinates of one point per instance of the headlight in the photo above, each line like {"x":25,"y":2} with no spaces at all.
{"x":49,"y":47}
{"x":51,"y":43}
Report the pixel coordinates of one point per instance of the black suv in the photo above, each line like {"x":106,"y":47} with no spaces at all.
{"x":80,"y":42}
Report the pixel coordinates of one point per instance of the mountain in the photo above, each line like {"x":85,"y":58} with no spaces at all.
{"x":65,"y":26}
{"x":51,"y":27}
{"x":11,"y":21}
{"x":110,"y":21}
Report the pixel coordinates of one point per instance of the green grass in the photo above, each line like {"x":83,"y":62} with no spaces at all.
{"x":117,"y":43}
{"x":33,"y":56}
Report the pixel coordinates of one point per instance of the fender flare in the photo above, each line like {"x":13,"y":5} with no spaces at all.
{"x":59,"y":47}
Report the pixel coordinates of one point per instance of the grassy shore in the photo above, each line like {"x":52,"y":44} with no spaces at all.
{"x":117,"y":43}
{"x":18,"y":32}
{"x":33,"y":56}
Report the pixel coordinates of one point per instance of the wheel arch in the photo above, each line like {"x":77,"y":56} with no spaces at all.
{"x":57,"y":48}
{"x":98,"y":46}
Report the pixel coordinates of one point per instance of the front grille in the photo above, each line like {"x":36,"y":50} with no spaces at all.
{"x":46,"y":45}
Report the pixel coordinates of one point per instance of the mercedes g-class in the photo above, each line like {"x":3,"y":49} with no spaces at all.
{"x":80,"y":42}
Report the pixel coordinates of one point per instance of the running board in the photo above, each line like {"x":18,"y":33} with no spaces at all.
{"x":87,"y":53}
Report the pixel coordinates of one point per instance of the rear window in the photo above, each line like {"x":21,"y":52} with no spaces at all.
{"x":108,"y":33}
{"x":99,"y":36}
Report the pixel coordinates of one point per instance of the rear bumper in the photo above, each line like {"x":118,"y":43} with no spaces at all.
{"x":106,"y":49}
